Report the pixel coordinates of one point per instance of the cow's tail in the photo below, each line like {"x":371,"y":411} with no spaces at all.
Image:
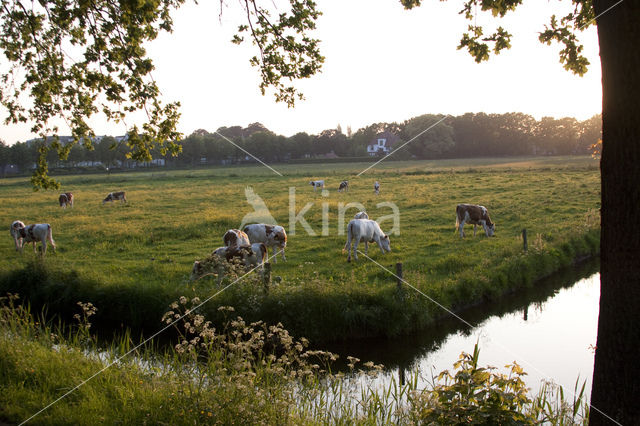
{"x":347,"y":246}
{"x":50,"y":237}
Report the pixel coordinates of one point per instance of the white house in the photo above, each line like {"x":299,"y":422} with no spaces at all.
{"x":382,"y":144}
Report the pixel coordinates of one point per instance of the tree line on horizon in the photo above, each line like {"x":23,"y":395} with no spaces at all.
{"x":467,"y":135}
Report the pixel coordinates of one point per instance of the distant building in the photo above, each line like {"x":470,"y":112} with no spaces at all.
{"x":382,"y":144}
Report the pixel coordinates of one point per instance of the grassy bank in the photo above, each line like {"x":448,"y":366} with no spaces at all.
{"x":239,"y":374}
{"x":132,"y":260}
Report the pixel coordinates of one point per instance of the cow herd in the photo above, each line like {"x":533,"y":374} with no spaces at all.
{"x":250,"y":246}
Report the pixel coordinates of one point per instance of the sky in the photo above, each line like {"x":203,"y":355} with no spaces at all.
{"x":383,"y":64}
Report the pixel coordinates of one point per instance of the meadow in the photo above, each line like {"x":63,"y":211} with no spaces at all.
{"x":133,"y":260}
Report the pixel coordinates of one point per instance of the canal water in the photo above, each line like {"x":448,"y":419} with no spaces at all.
{"x":550,"y":330}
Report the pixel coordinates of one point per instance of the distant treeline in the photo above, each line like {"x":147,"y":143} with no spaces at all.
{"x":468,"y":135}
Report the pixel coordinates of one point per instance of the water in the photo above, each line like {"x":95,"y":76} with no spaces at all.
{"x":549,"y":330}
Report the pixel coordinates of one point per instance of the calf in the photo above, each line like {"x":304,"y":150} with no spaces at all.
{"x":235,"y":237}
{"x":376,"y":187}
{"x":271,"y":235}
{"x":112,"y":196}
{"x":367,"y":231}
{"x":32,"y":234}
{"x":475,"y":215}
{"x":66,"y":199}
{"x":317,"y":184}
{"x":344,"y":186}
{"x":249,"y":256}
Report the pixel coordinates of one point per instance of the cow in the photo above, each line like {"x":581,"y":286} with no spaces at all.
{"x":376,"y":187}
{"x":31,"y":234}
{"x":249,"y":256}
{"x":344,"y":186}
{"x":316,"y":184}
{"x":235,"y":237}
{"x":367,"y":231}
{"x":112,"y":196}
{"x":475,"y":215}
{"x":66,"y":199}
{"x":271,"y":235}
{"x":361,"y":215}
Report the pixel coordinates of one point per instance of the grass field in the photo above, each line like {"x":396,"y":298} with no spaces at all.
{"x":132,"y":260}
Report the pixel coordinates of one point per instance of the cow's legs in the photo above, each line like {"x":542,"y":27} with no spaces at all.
{"x":474,"y":230}
{"x":366,"y":247}
{"x":283,"y":257}
{"x":462,"y":229}
{"x":275,"y":254}
{"x":356,"y":241}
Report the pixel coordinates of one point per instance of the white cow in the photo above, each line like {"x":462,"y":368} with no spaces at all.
{"x":361,"y":215}
{"x":475,"y":215}
{"x":249,"y":256}
{"x":376,"y":187}
{"x":271,"y":235}
{"x":32,"y":234}
{"x":317,"y":184}
{"x":235,"y":237}
{"x":367,"y":231}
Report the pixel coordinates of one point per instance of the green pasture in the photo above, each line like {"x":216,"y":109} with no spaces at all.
{"x":132,"y":260}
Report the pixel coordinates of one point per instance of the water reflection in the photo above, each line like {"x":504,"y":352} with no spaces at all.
{"x":547,"y":329}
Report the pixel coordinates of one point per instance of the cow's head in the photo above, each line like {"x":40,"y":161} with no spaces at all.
{"x":196,"y":271}
{"x":107,"y":198}
{"x":385,"y":243}
{"x":491,"y":229}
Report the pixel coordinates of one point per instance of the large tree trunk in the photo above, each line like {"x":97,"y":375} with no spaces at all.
{"x":616,"y":376}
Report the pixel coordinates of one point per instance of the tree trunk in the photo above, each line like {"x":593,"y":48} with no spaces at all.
{"x":616,"y":376}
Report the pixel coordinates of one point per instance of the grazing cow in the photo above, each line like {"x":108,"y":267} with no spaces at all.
{"x":271,"y":235}
{"x":475,"y":215}
{"x":66,"y":199}
{"x":367,"y":231}
{"x":376,"y":187}
{"x":316,"y":184}
{"x":344,"y":186}
{"x":235,"y":237}
{"x":249,"y":256}
{"x":32,"y":234}
{"x":361,"y":215}
{"x":112,"y":196}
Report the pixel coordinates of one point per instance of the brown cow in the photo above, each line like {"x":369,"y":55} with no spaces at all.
{"x":66,"y":199}
{"x":475,"y":215}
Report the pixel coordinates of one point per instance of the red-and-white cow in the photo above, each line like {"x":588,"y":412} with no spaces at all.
{"x":249,"y":256}
{"x":344,"y":186}
{"x":113,"y":196}
{"x":317,"y":184}
{"x":32,"y":234}
{"x":235,"y":237}
{"x":367,"y":231}
{"x":271,"y":235}
{"x":475,"y":215}
{"x":66,"y":199}
{"x":376,"y":187}
{"x":361,"y":215}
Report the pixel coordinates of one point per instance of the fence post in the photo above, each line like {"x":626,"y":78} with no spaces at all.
{"x":524,"y":239}
{"x":399,"y":274}
{"x":266,"y":277}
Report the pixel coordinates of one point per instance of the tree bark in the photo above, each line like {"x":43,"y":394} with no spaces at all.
{"x":616,"y":377}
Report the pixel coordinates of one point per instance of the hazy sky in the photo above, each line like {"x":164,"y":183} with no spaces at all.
{"x":382,"y":64}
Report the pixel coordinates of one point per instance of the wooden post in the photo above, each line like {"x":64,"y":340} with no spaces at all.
{"x":266,"y":277}
{"x":402,"y":377}
{"x":399,"y":274}
{"x":524,"y":239}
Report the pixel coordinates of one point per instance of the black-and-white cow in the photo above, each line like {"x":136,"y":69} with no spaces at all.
{"x":271,"y":235}
{"x":32,"y":234}
{"x":474,"y":215}
{"x":367,"y":231}
{"x":235,"y":237}
{"x":376,"y":187}
{"x":317,"y":184}
{"x":249,"y":256}
{"x":344,"y":186}
{"x":113,"y":196}
{"x":66,"y":199}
